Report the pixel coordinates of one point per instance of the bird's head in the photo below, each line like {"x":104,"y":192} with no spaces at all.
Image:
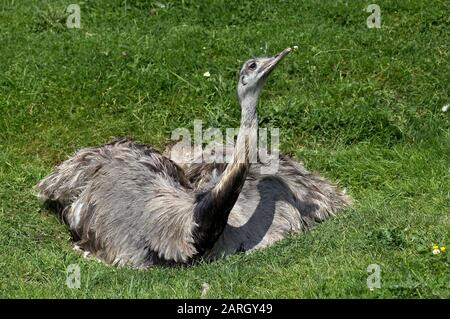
{"x":254,"y":73}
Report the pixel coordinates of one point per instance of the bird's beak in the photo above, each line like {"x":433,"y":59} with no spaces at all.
{"x":273,"y":61}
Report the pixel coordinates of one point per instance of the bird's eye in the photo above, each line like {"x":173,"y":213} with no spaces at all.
{"x":252,"y":66}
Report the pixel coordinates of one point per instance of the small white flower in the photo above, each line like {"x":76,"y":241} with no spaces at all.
{"x":295,"y":47}
{"x":445,"y":108}
{"x":436,"y":251}
{"x":206,"y":74}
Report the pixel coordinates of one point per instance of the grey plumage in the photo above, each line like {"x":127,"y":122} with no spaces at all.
{"x":270,"y":206}
{"x":125,"y":203}
{"x":129,"y":205}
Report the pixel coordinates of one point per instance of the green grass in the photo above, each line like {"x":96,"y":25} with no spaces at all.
{"x":362,"y":106}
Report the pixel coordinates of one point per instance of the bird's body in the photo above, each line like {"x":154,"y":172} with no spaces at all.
{"x":127,"y":204}
{"x":270,"y":206}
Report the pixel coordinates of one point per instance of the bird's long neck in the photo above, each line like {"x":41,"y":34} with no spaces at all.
{"x":233,"y":178}
{"x":214,"y":206}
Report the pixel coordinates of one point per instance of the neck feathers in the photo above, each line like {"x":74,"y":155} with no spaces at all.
{"x":214,"y":206}
{"x":235,"y":173}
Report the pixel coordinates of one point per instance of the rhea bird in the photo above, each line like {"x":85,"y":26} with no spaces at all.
{"x":127,"y":204}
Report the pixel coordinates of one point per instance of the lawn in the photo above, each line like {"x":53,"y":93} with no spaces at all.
{"x":361,"y":106}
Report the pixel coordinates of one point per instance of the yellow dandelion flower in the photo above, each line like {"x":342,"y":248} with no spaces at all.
{"x":435,"y":247}
{"x":443,"y":249}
